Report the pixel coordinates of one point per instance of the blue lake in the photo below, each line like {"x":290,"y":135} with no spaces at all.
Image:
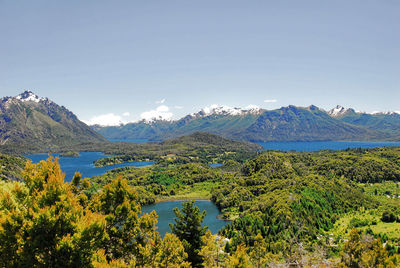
{"x":322,"y":145}
{"x":166,"y":215}
{"x":129,"y":140}
{"x":84,"y":164}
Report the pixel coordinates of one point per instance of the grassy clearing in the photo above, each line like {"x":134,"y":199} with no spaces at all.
{"x":200,"y":190}
{"x":363,"y":221}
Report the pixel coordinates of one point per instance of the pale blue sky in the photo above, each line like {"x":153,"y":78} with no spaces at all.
{"x":98,"y":57}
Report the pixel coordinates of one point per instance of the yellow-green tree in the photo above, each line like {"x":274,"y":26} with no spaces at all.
{"x":171,"y":253}
{"x":365,"y":252}
{"x":258,"y":253}
{"x":239,"y":258}
{"x":43,"y":224}
{"x":212,"y":250}
{"x":130,"y":237}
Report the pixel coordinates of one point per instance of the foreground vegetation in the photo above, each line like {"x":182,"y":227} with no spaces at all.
{"x":337,"y":208}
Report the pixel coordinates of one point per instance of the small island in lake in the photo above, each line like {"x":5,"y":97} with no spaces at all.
{"x":70,"y":154}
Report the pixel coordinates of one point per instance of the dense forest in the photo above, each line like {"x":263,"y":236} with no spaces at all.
{"x":337,"y":208}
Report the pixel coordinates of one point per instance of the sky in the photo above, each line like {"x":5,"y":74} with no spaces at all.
{"x":112,"y":61}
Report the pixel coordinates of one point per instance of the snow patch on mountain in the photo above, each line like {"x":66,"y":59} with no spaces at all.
{"x":29,"y":96}
{"x":339,"y":111}
{"x":386,"y":113}
{"x":226,"y":110}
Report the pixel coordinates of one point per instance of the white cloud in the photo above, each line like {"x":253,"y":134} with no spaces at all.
{"x":160,"y":101}
{"x":160,"y":113}
{"x":126,"y":114}
{"x":109,"y":119}
{"x":270,"y":101}
{"x":178,"y":107}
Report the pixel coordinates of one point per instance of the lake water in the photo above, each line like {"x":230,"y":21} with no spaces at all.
{"x":84,"y":164}
{"x":321,"y":145}
{"x":166,"y":215}
{"x":129,"y":140}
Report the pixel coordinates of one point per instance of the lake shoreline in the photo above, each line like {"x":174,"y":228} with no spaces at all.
{"x":166,"y":215}
{"x":181,"y":199}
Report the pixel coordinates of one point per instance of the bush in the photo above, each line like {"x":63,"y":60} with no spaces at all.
{"x":388,"y":217}
{"x":356,"y":222}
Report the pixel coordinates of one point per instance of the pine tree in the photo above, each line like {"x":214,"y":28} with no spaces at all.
{"x":189,"y":230}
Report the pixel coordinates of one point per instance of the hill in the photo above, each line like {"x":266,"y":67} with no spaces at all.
{"x":197,"y":147}
{"x":30,"y":121}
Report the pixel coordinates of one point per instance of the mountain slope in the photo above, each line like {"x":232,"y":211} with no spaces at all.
{"x":285,"y":124}
{"x":223,"y":121}
{"x":28,"y":120}
{"x":304,"y":124}
{"x":383,"y":122}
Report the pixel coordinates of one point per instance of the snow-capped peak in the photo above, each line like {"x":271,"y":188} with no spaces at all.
{"x":386,"y":113}
{"x":29,"y":96}
{"x":227,"y":110}
{"x":339,"y":110}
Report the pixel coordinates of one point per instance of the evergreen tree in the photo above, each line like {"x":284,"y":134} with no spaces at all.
{"x":189,"y":230}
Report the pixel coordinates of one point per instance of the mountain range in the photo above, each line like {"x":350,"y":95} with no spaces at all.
{"x":28,"y":120}
{"x":290,"y":123}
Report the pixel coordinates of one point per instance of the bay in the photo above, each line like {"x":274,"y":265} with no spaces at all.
{"x":84,"y":164}
{"x":166,"y":215}
{"x":129,"y":140}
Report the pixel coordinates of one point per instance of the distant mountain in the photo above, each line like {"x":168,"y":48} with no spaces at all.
{"x":28,"y":120}
{"x":285,"y":124}
{"x":218,"y":120}
{"x":304,"y":124}
{"x":388,"y":122}
{"x":340,"y":111}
